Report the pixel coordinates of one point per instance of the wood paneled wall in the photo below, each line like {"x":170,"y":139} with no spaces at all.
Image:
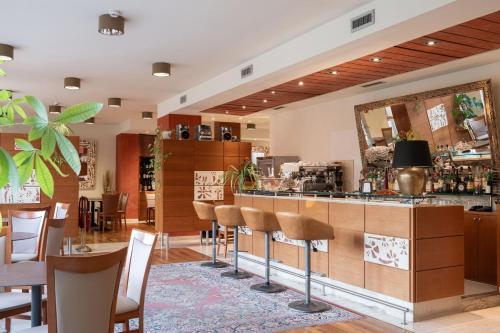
{"x":436,"y":245}
{"x":66,"y":188}
{"x":174,"y":208}
{"x":235,"y":129}
{"x":128,"y":150}
{"x":169,"y":121}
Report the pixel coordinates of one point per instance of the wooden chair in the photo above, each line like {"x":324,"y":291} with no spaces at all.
{"x":225,"y":237}
{"x":130,"y":304}
{"x":150,"y":207}
{"x":61,"y":210}
{"x":87,"y":287}
{"x":27,"y":221}
{"x":109,"y":210}
{"x":122,"y":208}
{"x":52,"y":238}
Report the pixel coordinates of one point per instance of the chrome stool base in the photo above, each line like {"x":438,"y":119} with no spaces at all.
{"x":236,"y":275}
{"x":268,"y":288}
{"x":217,"y":264}
{"x":311,"y":307}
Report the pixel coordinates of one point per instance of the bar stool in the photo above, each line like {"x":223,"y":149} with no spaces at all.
{"x":230,"y":216}
{"x":265,"y":222}
{"x":300,"y":227}
{"x":206,"y":211}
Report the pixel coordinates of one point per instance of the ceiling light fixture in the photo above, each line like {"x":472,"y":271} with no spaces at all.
{"x":227,"y":112}
{"x":301,"y":83}
{"x":90,"y":121}
{"x":6,"y":52}
{"x":273,"y":92}
{"x":431,"y":43}
{"x":334,"y":72}
{"x":72,"y":83}
{"x":243,"y":107}
{"x":161,"y":69}
{"x":147,"y":115}
{"x":111,"y":24}
{"x":114,"y":102}
{"x":376,"y":59}
{"x":55,"y":109}
{"x":264,"y":101}
{"x":251,"y":126}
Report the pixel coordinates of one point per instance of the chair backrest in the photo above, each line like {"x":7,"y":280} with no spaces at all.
{"x":259,"y":220}
{"x":82,"y":292}
{"x":53,"y":238}
{"x":47,"y":210}
{"x":61,"y":210}
{"x":150,"y":200}
{"x":122,"y":202}
{"x":229,"y":215}
{"x":137,"y":264}
{"x":5,"y":246}
{"x":205,"y":211}
{"x":27,"y":221}
{"x":110,"y":203}
{"x":301,"y":227}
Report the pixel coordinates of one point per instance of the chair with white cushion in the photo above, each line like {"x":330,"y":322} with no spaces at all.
{"x":61,"y":210}
{"x":27,"y":221}
{"x":52,"y":238}
{"x":130,"y":303}
{"x":87,"y":287}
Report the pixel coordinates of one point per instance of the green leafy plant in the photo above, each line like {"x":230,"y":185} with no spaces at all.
{"x":465,"y":107}
{"x":156,"y":149}
{"x":243,"y":177}
{"x":16,"y":170}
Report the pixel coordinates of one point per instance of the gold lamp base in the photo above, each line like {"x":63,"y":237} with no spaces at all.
{"x":411,"y":181}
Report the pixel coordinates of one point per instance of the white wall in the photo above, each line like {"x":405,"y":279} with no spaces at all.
{"x":105,"y":136}
{"x":326,"y":129}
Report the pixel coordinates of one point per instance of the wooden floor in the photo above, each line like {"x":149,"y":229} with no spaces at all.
{"x":176,"y":255}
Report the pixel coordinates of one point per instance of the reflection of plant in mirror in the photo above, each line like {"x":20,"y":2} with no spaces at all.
{"x":15,"y":170}
{"x":465,"y":107}
{"x":405,"y":136}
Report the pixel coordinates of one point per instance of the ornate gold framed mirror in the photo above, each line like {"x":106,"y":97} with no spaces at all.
{"x":459,"y":119}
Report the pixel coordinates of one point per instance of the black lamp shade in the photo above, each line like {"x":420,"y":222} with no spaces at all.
{"x":414,"y":153}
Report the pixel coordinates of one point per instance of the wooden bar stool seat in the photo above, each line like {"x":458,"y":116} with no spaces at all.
{"x":230,"y":217}
{"x":206,"y":211}
{"x":259,"y":220}
{"x":300,"y":227}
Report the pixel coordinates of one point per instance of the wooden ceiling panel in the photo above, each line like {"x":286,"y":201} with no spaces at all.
{"x":460,"y":41}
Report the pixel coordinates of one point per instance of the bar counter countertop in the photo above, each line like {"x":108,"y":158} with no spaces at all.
{"x":406,"y":252}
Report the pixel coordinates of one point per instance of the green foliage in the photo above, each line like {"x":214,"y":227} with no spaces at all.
{"x":156,"y":149}
{"x":52,"y":134}
{"x":465,"y":107}
{"x":243,"y":177}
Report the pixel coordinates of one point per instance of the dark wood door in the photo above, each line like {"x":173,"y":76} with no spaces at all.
{"x":487,"y":249}
{"x":470,"y":246}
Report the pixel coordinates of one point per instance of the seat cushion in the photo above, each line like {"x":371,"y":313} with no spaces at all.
{"x":10,"y":301}
{"x":36,"y":329}
{"x":125,"y":304}
{"x":17,"y":257}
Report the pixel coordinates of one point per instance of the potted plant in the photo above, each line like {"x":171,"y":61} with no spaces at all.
{"x":244,"y":177}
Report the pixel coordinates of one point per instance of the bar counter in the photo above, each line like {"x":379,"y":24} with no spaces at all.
{"x":409,"y":252}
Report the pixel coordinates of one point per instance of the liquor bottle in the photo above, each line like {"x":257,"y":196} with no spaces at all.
{"x":470,"y":182}
{"x":489,"y":181}
{"x":462,"y":185}
{"x":428,"y":183}
{"x":440,"y":182}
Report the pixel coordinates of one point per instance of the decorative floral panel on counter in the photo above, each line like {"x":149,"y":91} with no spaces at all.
{"x":208,"y":185}
{"x":320,"y":245}
{"x":28,"y":193}
{"x":387,"y":251}
{"x":245,"y":231}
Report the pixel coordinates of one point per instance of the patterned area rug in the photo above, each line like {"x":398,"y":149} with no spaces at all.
{"x":189,"y":298}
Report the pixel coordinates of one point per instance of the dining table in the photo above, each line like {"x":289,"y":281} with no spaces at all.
{"x":28,"y":273}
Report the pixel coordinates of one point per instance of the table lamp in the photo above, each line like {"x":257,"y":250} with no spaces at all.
{"x":412,"y":156}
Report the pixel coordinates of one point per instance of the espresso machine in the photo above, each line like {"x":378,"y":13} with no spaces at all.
{"x":320,"y":178}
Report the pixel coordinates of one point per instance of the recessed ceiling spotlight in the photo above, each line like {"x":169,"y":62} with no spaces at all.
{"x":273,"y":92}
{"x":147,"y":115}
{"x":376,"y":59}
{"x":301,"y":83}
{"x":334,"y":72}
{"x":55,"y":108}
{"x":111,"y":24}
{"x":114,"y":102}
{"x":431,"y":43}
{"x":72,"y":83}
{"x":243,"y":107}
{"x":264,"y":101}
{"x":6,"y":52}
{"x":227,"y":112}
{"x":90,"y":121}
{"x":161,"y":69}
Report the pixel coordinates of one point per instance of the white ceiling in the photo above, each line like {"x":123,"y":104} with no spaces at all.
{"x":59,"y":38}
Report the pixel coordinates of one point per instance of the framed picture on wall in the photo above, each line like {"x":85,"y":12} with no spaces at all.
{"x":87,"y":153}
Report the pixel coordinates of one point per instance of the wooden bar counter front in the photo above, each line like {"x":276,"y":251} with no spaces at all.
{"x":412,"y":253}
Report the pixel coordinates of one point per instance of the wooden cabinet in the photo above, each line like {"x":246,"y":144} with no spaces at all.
{"x":480,"y":245}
